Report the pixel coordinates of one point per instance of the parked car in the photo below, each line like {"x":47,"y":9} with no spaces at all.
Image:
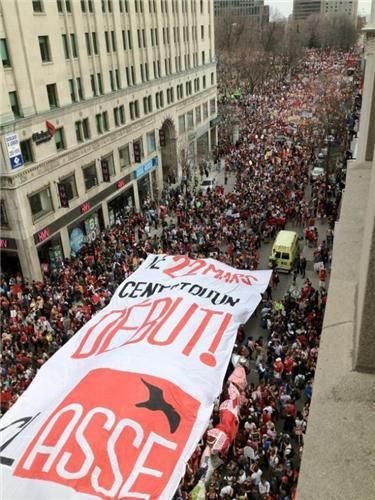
{"x":316,"y":172}
{"x":208,"y":183}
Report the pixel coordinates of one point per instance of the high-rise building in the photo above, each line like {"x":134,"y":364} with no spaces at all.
{"x":335,"y":7}
{"x":305,"y":8}
{"x":101,"y":102}
{"x":253,"y":10}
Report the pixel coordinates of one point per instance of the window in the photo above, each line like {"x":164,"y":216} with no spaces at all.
{"x":190,"y":119}
{"x":111,"y":166}
{"x":203,"y":57}
{"x":123,"y":32}
{"x":65,"y":46}
{"x":181,"y":124}
{"x":205,"y":111}
{"x":109,"y":5}
{"x":90,"y":5}
{"x":204,"y":81}
{"x":105,"y":121}
{"x":100,"y":83}
{"x":151,"y":142}
{"x":26,"y":150}
{"x":88,"y":45}
{"x":14,"y":104}
{"x":134,"y":110}
{"x":41,"y":203}
{"x":78,"y":128}
{"x":4,"y":222}
{"x":118,"y":81}
{"x":44,"y":48}
{"x":52,"y":95}
{"x":82,"y":130}
{"x":37,"y":6}
{"x":130,"y":44}
{"x":93,"y":85}
{"x":99,"y":125}
{"x":116,"y":117}
{"x":59,"y":139}
{"x":212,"y":106}
{"x":113,"y":38}
{"x":103,"y":5}
{"x":83,"y":6}
{"x":72,"y":91}
{"x":4,"y":53}
{"x":112,"y":80}
{"x":198,"y":115}
{"x":60,"y":8}
{"x":90,"y":176}
{"x":122,"y":114}
{"x":124,"y":154}
{"x":68,"y":6}
{"x":73,"y":45}
{"x":79,"y":88}
{"x":70,"y":186}
{"x":106,"y":36}
{"x":86,"y":129}
{"x":94,"y":43}
{"x":212,"y":78}
{"x":202,"y":32}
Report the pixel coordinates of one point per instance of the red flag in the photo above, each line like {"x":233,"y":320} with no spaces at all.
{"x":51,"y":128}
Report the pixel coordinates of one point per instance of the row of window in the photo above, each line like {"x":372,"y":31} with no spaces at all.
{"x":76,"y":90}
{"x":70,"y":48}
{"x":107,"y":6}
{"x":83,"y":131}
{"x":41,"y":202}
{"x":186,"y":121}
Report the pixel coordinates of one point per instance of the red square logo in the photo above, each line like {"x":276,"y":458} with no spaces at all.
{"x":116,"y":434}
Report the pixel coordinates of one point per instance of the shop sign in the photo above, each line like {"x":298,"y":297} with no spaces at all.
{"x":146,"y":167}
{"x":8,"y":244}
{"x":44,"y":135}
{"x":43,"y":235}
{"x":120,"y":184}
{"x":85,"y":207}
{"x":14,"y":151}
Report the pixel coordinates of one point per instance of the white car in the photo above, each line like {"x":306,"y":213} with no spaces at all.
{"x":208,"y":183}
{"x":316,"y":172}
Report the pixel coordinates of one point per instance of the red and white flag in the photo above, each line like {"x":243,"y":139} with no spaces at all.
{"x":51,"y":128}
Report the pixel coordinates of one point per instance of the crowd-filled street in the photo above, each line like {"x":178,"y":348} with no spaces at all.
{"x":263,"y":183}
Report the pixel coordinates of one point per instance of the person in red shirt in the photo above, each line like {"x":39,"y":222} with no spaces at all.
{"x":278,"y":369}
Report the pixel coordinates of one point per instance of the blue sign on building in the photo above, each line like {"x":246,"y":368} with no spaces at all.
{"x":146,"y":167}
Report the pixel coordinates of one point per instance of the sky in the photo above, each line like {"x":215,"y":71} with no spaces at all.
{"x":285,"y":7}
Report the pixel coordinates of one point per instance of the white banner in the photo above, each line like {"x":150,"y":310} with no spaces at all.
{"x":119,"y":409}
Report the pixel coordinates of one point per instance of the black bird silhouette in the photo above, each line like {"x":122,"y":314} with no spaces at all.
{"x":156,"y":402}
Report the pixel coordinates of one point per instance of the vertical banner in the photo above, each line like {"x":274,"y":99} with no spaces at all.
{"x":137,"y":152}
{"x":63,"y":195}
{"x":105,"y":170}
{"x":119,"y":409}
{"x":162,"y":138}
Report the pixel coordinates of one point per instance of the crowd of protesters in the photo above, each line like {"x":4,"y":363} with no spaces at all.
{"x":270,"y":162}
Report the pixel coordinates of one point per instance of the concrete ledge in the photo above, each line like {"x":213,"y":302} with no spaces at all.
{"x":339,"y":453}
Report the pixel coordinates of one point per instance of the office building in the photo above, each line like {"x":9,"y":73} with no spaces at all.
{"x":335,"y":7}
{"x":305,"y":8}
{"x":101,"y":101}
{"x":252,"y":10}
